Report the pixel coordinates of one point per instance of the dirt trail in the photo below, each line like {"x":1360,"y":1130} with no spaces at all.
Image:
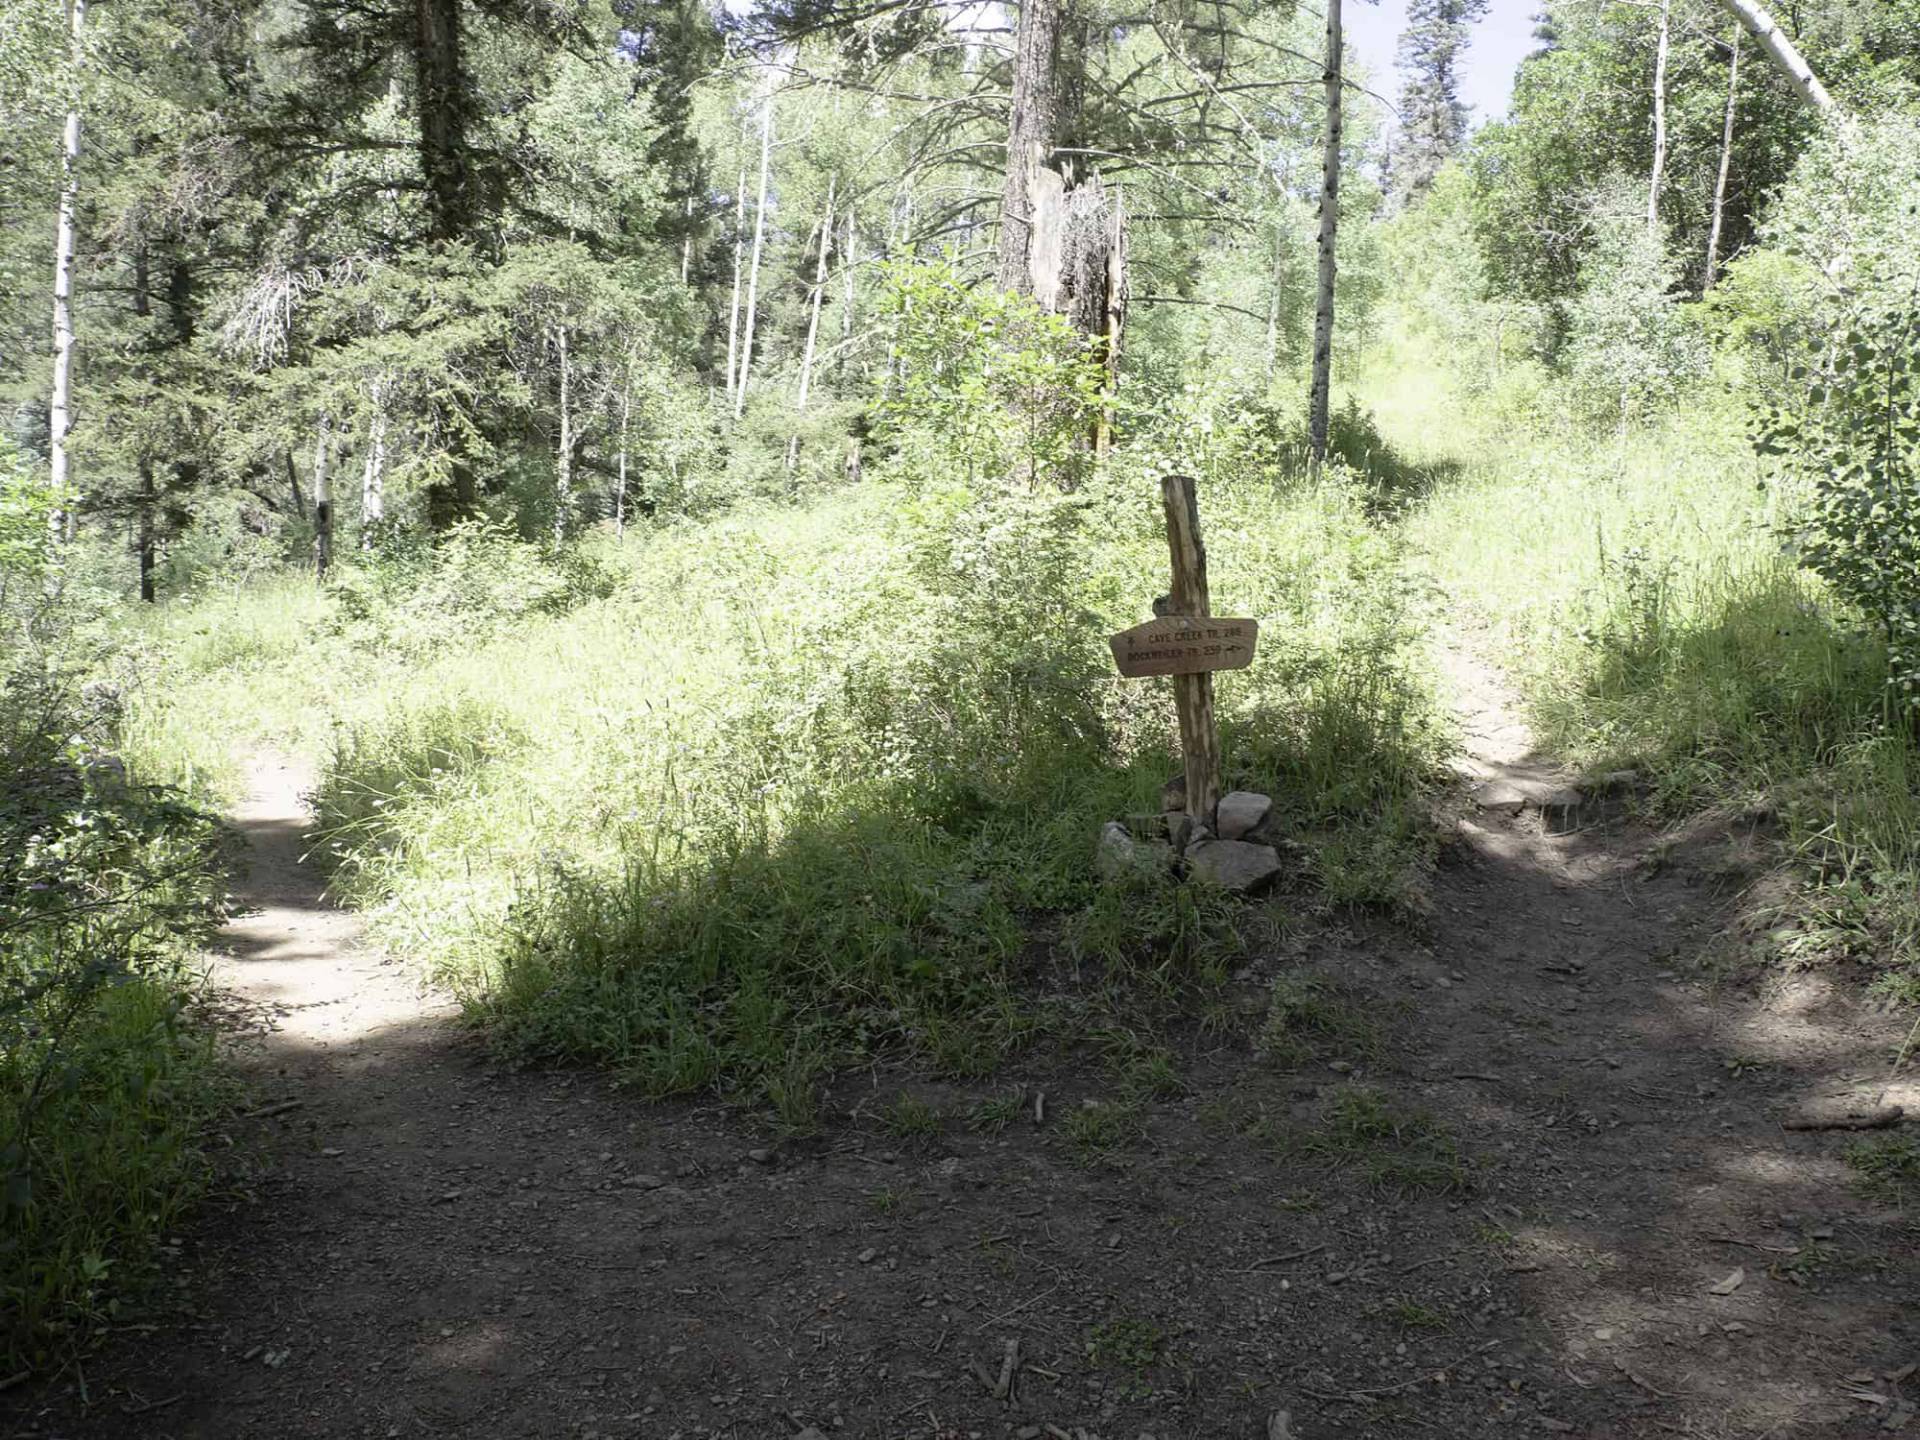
{"x":435,"y":1247}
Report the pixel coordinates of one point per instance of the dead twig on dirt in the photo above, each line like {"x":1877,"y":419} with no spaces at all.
{"x":1350,"y":1396}
{"x":1009,"y":1364}
{"x":267,"y":1112}
{"x":1262,"y":1264}
{"x":1878,"y":1118}
{"x":147,"y":1407}
{"x":1753,"y":1244}
{"x":1007,"y":1314}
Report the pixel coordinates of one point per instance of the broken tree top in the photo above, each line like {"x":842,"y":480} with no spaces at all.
{"x":1185,"y":645}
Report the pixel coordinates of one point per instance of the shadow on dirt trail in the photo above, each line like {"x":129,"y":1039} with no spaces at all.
{"x":436,"y":1247}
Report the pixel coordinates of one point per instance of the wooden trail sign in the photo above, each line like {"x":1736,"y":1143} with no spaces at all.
{"x":1189,"y":643}
{"x":1185,"y":645}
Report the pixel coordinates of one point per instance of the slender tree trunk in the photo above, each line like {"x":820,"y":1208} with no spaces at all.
{"x":733,"y":313}
{"x":182,"y":316}
{"x":1657,"y":173}
{"x":759,"y":244}
{"x":1273,"y":297}
{"x":148,"y":497}
{"x":1113,"y":319}
{"x":149,"y":501}
{"x":1726,"y":161}
{"x":626,"y":417}
{"x":1031,"y":123}
{"x":1781,"y":51}
{"x":323,"y":499}
{"x":563,"y":473}
{"x":686,"y":244}
{"x":847,"y":264}
{"x":819,"y":293}
{"x":1329,"y":229}
{"x":373,"y":476}
{"x":60,"y":404}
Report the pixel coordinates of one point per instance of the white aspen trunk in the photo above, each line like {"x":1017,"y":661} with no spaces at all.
{"x":686,"y":244}
{"x":620,"y":490}
{"x":1781,"y":51}
{"x":1273,"y":297}
{"x":373,"y":475}
{"x":819,"y":292}
{"x":1726,"y":160}
{"x":563,"y":471}
{"x":847,"y":259}
{"x":1317,"y":404}
{"x":733,"y":313}
{"x":759,"y":244}
{"x":60,"y":404}
{"x":322,"y":498}
{"x":1659,"y":167}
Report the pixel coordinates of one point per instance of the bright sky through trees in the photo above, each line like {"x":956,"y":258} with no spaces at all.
{"x":1500,"y":42}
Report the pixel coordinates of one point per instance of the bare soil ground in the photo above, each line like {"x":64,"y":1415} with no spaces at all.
{"x":1521,"y":1170}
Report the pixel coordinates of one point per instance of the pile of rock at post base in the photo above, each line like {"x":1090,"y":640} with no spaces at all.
{"x":1238,"y":856}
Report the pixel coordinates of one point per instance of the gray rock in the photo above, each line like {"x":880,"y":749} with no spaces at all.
{"x":1234,"y":865}
{"x":1242,"y":812}
{"x":1173,"y":794}
{"x":1501,"y":796}
{"x":1120,"y":855}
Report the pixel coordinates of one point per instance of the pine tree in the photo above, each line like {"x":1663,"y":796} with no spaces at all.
{"x":1432,"y":116}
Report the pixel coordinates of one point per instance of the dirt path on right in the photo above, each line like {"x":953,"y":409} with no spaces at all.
{"x":1690,"y":1265}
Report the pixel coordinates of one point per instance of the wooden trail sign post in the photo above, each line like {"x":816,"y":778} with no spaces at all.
{"x":1189,"y":643}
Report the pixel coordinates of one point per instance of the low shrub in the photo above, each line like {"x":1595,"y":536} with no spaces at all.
{"x":106,"y":1084}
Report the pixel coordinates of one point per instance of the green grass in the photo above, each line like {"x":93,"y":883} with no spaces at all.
{"x":747,"y":801}
{"x":996,"y":1112}
{"x":1100,"y":1129}
{"x":908,"y":1117}
{"x":1400,"y":1152}
{"x":1888,"y":1167}
{"x":117,"y":1158}
{"x":1309,"y":1017}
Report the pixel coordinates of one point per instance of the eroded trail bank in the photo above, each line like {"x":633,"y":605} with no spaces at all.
{"x":1518,"y":1171}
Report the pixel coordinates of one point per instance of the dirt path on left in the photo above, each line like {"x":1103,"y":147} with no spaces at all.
{"x":1524,"y":1173}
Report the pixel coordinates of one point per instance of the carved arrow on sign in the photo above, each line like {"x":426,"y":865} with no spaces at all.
{"x":1185,"y":645}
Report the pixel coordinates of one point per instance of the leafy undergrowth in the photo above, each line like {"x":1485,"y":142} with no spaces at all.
{"x":742,"y":802}
{"x":106,"y":1082}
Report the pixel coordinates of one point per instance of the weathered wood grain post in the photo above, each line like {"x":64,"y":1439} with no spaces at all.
{"x":1192,"y":694}
{"x":1189,"y":643}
